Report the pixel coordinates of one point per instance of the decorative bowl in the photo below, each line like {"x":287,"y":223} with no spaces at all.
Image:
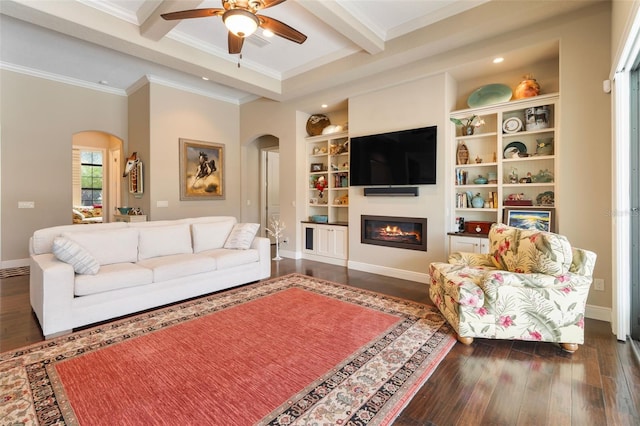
{"x":320,"y":218}
{"x":124,"y":210}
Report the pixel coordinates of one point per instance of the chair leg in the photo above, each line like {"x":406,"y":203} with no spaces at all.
{"x":465,"y":340}
{"x":569,"y":347}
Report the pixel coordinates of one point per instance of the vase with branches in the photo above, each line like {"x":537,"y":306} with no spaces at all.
{"x":275,"y":229}
{"x":468,"y":124}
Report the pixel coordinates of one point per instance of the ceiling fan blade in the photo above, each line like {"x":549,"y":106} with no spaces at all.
{"x":271,"y":3}
{"x":193,"y":13}
{"x":281,"y":29}
{"x":235,"y":43}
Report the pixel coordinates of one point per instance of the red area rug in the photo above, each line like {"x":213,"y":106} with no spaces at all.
{"x":292,"y":350}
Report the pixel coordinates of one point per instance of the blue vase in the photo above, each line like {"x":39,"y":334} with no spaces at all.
{"x":477,"y":202}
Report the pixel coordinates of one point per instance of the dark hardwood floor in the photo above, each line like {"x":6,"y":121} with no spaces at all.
{"x":490,"y":382}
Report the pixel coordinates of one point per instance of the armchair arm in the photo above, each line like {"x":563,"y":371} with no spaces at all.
{"x":535,"y":280}
{"x":584,"y":261}
{"x":471,"y":259}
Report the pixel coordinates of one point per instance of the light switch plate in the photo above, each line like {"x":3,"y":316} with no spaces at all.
{"x":598,"y":284}
{"x":26,"y":204}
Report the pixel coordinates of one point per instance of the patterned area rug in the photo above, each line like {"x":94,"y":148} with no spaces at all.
{"x":289,"y":351}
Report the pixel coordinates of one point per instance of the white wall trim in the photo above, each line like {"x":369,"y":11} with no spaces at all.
{"x":290,"y":254}
{"x":419,"y":277}
{"x":14,"y":263}
{"x":600,"y":313}
{"x":621,"y":208}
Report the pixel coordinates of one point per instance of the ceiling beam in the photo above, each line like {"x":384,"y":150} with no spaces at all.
{"x":341,"y":20}
{"x":154,"y":27}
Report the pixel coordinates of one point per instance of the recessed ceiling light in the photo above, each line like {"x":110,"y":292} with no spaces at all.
{"x":205,"y":78}
{"x":267,"y":33}
{"x":498,"y":60}
{"x":324,"y":105}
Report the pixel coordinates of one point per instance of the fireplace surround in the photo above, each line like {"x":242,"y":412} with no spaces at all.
{"x":391,"y":231}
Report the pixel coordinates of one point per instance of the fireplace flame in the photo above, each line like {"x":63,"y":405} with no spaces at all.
{"x":395,"y":231}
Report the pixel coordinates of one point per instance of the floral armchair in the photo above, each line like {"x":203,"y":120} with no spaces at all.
{"x":531,"y":286}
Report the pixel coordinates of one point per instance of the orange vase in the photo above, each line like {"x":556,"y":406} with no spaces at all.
{"x":527,"y":88}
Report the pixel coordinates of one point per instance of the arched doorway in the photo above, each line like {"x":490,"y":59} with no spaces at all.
{"x":96,"y":183}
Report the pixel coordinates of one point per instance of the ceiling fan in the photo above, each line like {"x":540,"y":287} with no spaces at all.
{"x":241,"y":19}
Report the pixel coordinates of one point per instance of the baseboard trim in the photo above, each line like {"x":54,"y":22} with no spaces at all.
{"x":600,"y":313}
{"x":18,"y":263}
{"x":390,"y":272}
{"x":289,"y":254}
{"x":324,"y":259}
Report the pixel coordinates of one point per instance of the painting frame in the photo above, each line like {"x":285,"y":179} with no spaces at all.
{"x":201,"y":170}
{"x":316,"y":167}
{"x":541,"y":219}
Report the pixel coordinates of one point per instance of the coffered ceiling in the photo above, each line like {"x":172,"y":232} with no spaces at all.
{"x":113,"y":45}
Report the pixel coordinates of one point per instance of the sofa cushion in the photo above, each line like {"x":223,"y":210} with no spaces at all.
{"x":77,"y":256}
{"x":112,"y":277}
{"x":228,"y":258}
{"x":42,"y":239}
{"x":164,"y":241}
{"x":108,"y":246}
{"x":241,"y":236}
{"x":179,"y":265}
{"x":208,"y":236}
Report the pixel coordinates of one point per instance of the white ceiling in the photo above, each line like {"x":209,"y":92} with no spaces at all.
{"x":113,"y":45}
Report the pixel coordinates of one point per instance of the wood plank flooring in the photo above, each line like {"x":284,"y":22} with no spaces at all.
{"x":490,"y":382}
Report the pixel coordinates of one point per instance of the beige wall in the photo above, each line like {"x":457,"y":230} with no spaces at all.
{"x":39,"y":119}
{"x":139,"y":108}
{"x":175,"y":114}
{"x":407,"y":106}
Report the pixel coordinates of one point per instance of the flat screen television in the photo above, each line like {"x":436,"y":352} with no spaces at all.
{"x":406,"y":157}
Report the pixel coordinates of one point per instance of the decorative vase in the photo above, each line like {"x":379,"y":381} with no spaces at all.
{"x":477,"y":201}
{"x":277,"y":249}
{"x":468,"y":130}
{"x":527,"y":88}
{"x":480,"y":180}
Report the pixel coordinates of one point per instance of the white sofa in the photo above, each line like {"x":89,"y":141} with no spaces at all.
{"x":114,"y":269}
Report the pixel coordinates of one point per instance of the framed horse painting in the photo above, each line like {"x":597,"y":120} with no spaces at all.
{"x":201,"y":170}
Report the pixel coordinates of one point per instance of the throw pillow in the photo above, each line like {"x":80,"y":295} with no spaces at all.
{"x":503,"y":246}
{"x":74,"y":254}
{"x":241,"y":236}
{"x":544,"y":253}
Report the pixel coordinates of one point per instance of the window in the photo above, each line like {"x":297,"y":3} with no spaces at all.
{"x":91,"y":178}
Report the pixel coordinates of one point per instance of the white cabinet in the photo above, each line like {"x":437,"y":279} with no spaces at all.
{"x":515,"y":151}
{"x":325,"y":243}
{"x":458,"y":243}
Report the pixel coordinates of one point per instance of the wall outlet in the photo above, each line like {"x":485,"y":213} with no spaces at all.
{"x":285,"y":240}
{"x":162,"y":204}
{"x":598,"y":284}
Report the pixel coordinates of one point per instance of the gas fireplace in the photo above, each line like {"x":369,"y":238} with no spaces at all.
{"x":400,"y":232}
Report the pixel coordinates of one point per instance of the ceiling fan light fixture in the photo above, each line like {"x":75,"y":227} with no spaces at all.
{"x":240,"y":22}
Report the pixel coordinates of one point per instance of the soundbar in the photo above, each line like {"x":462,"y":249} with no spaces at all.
{"x":395,"y":191}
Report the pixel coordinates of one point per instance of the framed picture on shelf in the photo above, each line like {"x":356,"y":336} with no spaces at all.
{"x":201,"y":170}
{"x":534,"y":219}
{"x":316,"y":167}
